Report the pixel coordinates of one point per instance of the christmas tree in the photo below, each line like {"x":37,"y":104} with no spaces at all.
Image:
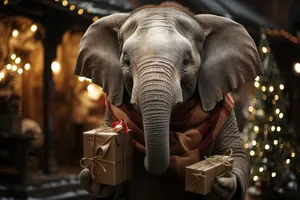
{"x":267,"y":135}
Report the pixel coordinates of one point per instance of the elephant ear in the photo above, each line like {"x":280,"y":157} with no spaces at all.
{"x":229,"y":58}
{"x":98,"y":56}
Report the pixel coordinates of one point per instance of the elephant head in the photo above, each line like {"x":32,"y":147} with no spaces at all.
{"x":160,"y":57}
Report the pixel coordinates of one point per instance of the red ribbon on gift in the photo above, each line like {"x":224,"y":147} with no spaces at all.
{"x":122,"y":123}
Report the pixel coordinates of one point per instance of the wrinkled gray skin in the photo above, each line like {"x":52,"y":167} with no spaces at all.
{"x":166,"y":55}
{"x":162,"y":62}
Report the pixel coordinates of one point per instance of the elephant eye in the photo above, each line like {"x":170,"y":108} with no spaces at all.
{"x":187,"y":60}
{"x":126,"y":60}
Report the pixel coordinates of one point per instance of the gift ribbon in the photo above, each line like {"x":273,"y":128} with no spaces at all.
{"x":120,"y":125}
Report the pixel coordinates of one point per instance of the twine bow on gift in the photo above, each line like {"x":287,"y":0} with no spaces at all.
{"x":91,"y":162}
{"x":217,"y":159}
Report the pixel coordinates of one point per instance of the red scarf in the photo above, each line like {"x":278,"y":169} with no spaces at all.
{"x":189,"y":137}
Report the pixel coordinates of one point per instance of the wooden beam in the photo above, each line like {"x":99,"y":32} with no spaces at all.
{"x":49,"y":164}
{"x":53,"y":36}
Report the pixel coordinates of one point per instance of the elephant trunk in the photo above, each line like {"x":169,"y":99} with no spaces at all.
{"x":156,"y":99}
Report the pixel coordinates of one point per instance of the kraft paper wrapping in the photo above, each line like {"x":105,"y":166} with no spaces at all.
{"x":200,"y":176}
{"x":108,"y":155}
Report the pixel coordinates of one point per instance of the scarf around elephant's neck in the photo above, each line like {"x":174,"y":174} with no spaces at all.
{"x":192,"y":130}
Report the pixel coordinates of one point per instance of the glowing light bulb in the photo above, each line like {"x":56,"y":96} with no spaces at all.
{"x":277,"y":111}
{"x":33,"y":27}
{"x":17,"y":60}
{"x":94,"y":92}
{"x":271,"y":88}
{"x":275,"y":142}
{"x":255,"y":178}
{"x":273,"y":174}
{"x":256,"y":128}
{"x":250,"y":109}
{"x":14,"y":68}
{"x":20,"y":71}
{"x":256,"y":84}
{"x":8,"y":66}
{"x":72,"y":7}
{"x":90,"y":87}
{"x":261,"y":169}
{"x":281,"y":115}
{"x":276,"y":97}
{"x":267,"y":146}
{"x":95,"y":18}
{"x":81,"y":78}
{"x":80,"y":11}
{"x":278,"y":129}
{"x":264,"y":49}
{"x":2,"y":74}
{"x":13,"y":56}
{"x":254,"y":142}
{"x":281,"y":86}
{"x":287,"y":161}
{"x":55,"y":66}
{"x":252,"y":153}
{"x":88,"y":79}
{"x":293,"y":155}
{"x":64,"y":2}
{"x":273,"y":128}
{"x":27,"y":66}
{"x":257,"y":78}
{"x":297,"y":68}
{"x":270,"y":118}
{"x":15,"y":33}
{"x":263,"y":88}
{"x":246,"y":145}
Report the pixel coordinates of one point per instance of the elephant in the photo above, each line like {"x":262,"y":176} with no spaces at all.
{"x":169,"y":74}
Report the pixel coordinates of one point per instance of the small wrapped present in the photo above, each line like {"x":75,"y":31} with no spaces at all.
{"x":200,"y":176}
{"x":108,"y":154}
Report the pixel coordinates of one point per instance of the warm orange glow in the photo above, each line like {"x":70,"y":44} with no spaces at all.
{"x":95,"y":18}
{"x":80,"y":11}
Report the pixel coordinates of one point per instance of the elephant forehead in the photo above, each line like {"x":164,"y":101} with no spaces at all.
{"x":166,"y":17}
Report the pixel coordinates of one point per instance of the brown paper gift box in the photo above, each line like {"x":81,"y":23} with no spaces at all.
{"x":200,"y":176}
{"x":108,"y":155}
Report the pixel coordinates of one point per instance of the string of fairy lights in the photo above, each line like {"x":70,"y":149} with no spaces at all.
{"x":283,"y":33}
{"x":268,"y":91}
{"x":15,"y":63}
{"x":72,"y":8}
{"x":266,"y":128}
